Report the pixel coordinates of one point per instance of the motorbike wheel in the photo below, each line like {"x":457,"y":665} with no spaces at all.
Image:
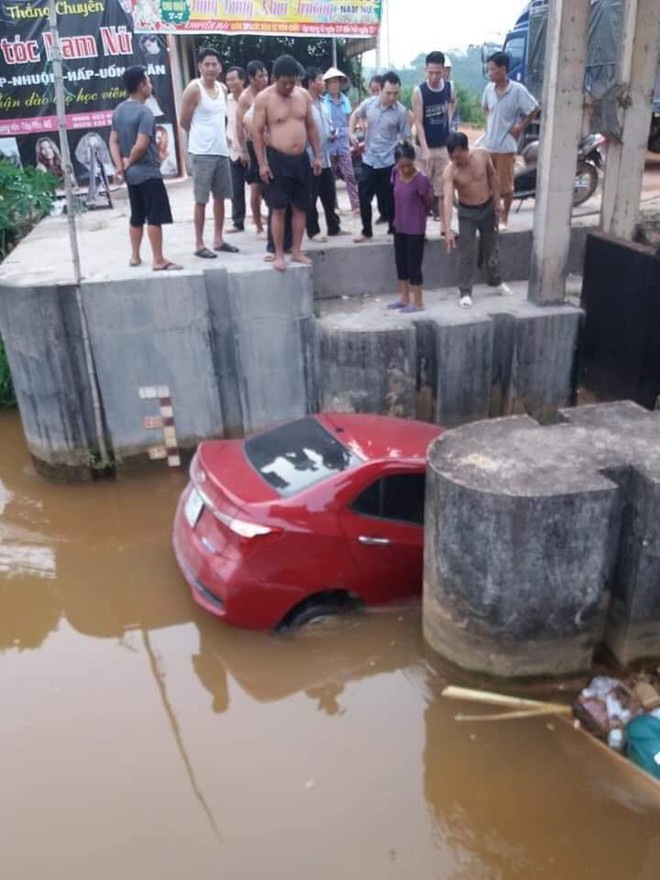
{"x":586,"y":181}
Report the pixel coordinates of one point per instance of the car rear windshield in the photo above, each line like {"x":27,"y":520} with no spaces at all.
{"x":298,"y":455}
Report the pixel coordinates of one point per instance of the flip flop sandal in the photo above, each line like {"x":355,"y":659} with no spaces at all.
{"x":269,"y":258}
{"x":397,"y":305}
{"x":227,"y":248}
{"x":206,"y":254}
{"x":168,"y":267}
{"x":411,"y":309}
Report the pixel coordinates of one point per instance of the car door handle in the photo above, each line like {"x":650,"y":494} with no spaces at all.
{"x":369,"y":539}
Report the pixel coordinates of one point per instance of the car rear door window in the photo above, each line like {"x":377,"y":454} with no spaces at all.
{"x":297,"y":455}
{"x":397,"y":497}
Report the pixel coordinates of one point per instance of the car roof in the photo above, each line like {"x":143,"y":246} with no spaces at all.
{"x":377,"y":437}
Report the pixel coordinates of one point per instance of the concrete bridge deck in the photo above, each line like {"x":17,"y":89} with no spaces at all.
{"x":44,"y":256}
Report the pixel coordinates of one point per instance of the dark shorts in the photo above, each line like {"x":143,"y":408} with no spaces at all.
{"x":149,"y":203}
{"x":252,"y":172}
{"x":291,"y":181}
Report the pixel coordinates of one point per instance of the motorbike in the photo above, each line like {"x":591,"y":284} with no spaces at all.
{"x":589,"y":163}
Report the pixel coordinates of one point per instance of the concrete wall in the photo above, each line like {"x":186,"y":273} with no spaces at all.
{"x":450,"y":365}
{"x":369,"y":268}
{"x":241,"y":349}
{"x":539,"y":540}
{"x":41,"y":331}
{"x":147,"y":333}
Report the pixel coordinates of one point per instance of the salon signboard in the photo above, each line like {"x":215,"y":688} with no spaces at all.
{"x":98,"y":42}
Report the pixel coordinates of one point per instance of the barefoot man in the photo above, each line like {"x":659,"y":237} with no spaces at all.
{"x":472,"y":175}
{"x":257,"y":79}
{"x":284,"y":110}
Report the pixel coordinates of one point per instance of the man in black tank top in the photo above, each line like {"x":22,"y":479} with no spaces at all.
{"x":433,"y":107}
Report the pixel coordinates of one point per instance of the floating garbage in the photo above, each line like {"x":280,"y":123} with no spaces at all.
{"x":625,"y":715}
{"x":643,"y":746}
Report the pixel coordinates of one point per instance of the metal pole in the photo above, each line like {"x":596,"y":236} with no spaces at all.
{"x":334,"y":51}
{"x":58,"y":82}
{"x":379,"y":37}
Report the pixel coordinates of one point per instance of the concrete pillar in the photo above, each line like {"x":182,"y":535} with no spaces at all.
{"x":271,"y":316}
{"x":515,"y":550}
{"x":638,"y":60}
{"x":560,"y":134}
{"x":43,"y":339}
{"x":367,"y":368}
{"x":540,"y":541}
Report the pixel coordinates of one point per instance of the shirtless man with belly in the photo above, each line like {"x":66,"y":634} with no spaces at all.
{"x":285,"y":111}
{"x":471,"y":174}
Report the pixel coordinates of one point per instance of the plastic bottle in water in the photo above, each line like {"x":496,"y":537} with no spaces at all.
{"x":615,"y":739}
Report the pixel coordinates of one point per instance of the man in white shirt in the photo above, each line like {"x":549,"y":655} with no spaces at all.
{"x":203,"y":116}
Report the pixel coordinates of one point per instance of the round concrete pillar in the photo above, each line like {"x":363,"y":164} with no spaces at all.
{"x":518,"y":548}
{"x":367,"y":367}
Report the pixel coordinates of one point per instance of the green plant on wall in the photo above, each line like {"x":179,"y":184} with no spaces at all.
{"x":26,"y":195}
{"x":7,"y":396}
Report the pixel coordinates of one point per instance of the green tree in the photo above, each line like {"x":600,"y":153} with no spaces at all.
{"x":469,"y":106}
{"x":309,"y":51}
{"x":25,"y":197}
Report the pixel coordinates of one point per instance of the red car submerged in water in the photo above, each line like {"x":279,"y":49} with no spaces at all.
{"x":310,"y":518}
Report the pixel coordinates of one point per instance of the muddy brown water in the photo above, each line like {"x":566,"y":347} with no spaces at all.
{"x":141,"y":738}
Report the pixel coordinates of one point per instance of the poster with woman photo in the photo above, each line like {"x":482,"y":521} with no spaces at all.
{"x":47,"y":157}
{"x":166,"y":146}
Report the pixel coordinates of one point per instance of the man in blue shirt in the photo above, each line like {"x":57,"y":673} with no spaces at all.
{"x":387,"y":124}
{"x":433,"y":104}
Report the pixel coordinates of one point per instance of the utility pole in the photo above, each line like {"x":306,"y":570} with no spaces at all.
{"x":568,"y":23}
{"x":379,"y":37}
{"x":638,"y":59}
{"x":58,"y":84}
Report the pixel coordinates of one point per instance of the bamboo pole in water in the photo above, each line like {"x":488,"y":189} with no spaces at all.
{"x":523,"y":708}
{"x":460,"y":693}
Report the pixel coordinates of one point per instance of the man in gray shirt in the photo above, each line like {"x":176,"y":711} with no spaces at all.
{"x":509,"y":109}
{"x":387,"y":124}
{"x":134,"y":153}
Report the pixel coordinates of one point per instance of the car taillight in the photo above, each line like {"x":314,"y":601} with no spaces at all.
{"x":244,"y":529}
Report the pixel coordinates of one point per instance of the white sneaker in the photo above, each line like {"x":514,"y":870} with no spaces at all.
{"x":466,"y":301}
{"x":502,"y":226}
{"x":503,"y":290}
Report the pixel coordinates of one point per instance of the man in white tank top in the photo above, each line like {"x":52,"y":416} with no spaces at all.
{"x":204,"y":118}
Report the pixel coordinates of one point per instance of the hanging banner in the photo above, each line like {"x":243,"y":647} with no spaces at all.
{"x":98,"y":43}
{"x":303,"y":18}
